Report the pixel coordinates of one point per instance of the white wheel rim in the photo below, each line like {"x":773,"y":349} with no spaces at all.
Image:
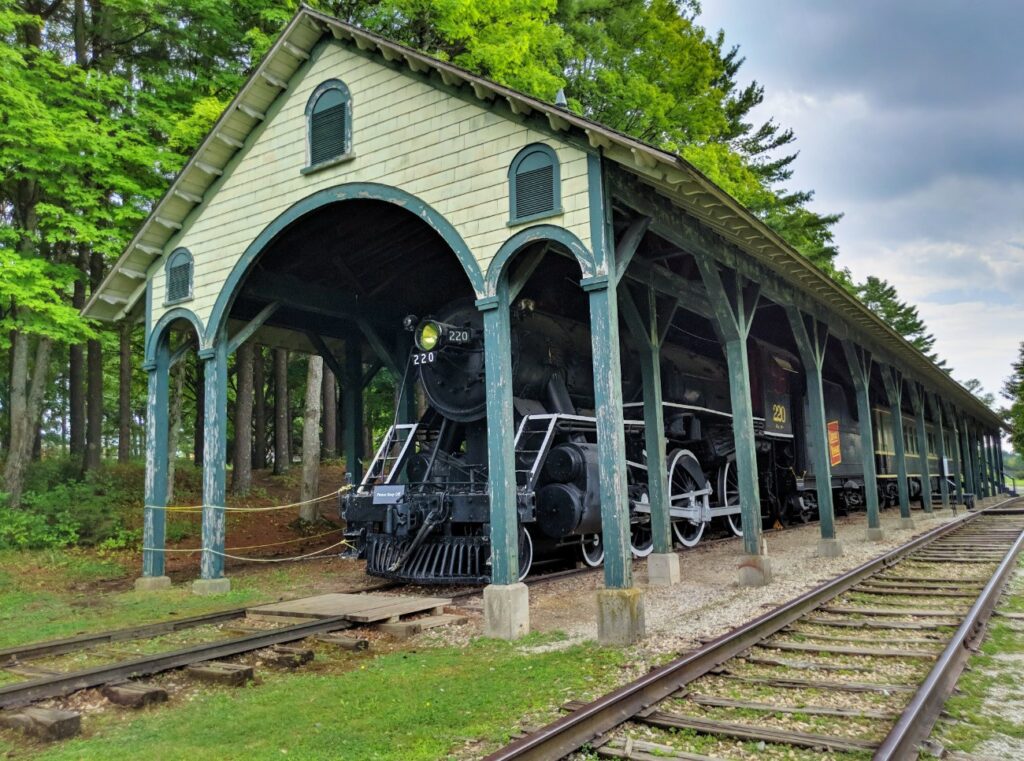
{"x":524,"y":568}
{"x":592,"y":561}
{"x":735,"y":521}
{"x":679,"y":527}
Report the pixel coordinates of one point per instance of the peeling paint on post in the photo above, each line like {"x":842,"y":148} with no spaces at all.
{"x":954,"y":440}
{"x":917,"y":402}
{"x":154,"y":518}
{"x":860,"y":362}
{"x":940,"y":444}
{"x":968,"y":459}
{"x":611,"y":437}
{"x":893,"y":380}
{"x":812,"y":342}
{"x":214,"y":457}
{"x":734,"y":309}
{"x":501,"y":465}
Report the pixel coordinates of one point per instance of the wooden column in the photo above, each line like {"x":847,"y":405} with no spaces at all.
{"x":893,"y":380}
{"x":860,"y":363}
{"x":917,"y":402}
{"x":1001,"y":472}
{"x":611,"y":439}
{"x":968,"y":459}
{"x":734,"y":301}
{"x":972,"y":443}
{"x":215,"y":421}
{"x":991,"y":460}
{"x":811,"y":337}
{"x":940,"y":444}
{"x":954,"y":438}
{"x":154,"y":517}
{"x":352,"y":407}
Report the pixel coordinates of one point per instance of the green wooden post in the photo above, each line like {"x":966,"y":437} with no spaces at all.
{"x":734,"y":300}
{"x":215,"y":422}
{"x":860,"y":362}
{"x":406,"y":403}
{"x":643,"y":325}
{"x":611,"y":439}
{"x":940,"y":443}
{"x":893,"y":380}
{"x":352,"y":406}
{"x":999,"y":462}
{"x":979,"y":464}
{"x":967,"y":462}
{"x":991,"y":448}
{"x":154,"y":517}
{"x":501,"y":465}
{"x":954,"y":438}
{"x":917,"y":403}
{"x":811,"y":337}
{"x":975,"y":471}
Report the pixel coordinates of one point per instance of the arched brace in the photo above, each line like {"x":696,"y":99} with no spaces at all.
{"x":348,"y":191}
{"x":531,"y":235}
{"x":156,"y":334}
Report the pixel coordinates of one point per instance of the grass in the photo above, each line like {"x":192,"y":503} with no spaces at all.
{"x":427,"y":704}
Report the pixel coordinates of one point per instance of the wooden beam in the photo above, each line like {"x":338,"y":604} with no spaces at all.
{"x":892,"y":378}
{"x":253,"y":325}
{"x":627,"y":246}
{"x":526,"y":268}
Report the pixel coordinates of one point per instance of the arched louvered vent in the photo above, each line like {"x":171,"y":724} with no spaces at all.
{"x":179,"y":276}
{"x":329,"y":113}
{"x":534,"y":184}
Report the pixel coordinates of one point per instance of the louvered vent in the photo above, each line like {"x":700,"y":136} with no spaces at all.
{"x":535,"y":192}
{"x":179,"y":281}
{"x":327,"y":133}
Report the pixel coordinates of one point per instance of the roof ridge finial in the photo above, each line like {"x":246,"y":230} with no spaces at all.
{"x":560,"y":100}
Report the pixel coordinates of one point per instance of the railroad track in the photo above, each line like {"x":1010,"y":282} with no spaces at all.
{"x":859,"y":667}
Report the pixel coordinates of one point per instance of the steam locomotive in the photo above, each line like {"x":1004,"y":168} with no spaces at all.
{"x":421,"y":513}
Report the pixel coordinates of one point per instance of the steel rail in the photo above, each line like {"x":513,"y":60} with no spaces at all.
{"x":920,"y":715}
{"x":59,"y":685}
{"x":575,"y":729}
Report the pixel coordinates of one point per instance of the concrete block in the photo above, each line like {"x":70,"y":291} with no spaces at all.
{"x":288,"y":657}
{"x":134,"y":694}
{"x":344,"y":641}
{"x":620,"y":616}
{"x":907,"y":524}
{"x":219,"y":672}
{"x":211,"y":586}
{"x":755,"y":571}
{"x":506,"y":611}
{"x":152,"y":583}
{"x":874,"y":534}
{"x":662,"y":569}
{"x":44,"y":723}
{"x":829,"y":548}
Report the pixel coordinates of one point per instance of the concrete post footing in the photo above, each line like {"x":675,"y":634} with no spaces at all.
{"x":211,"y":586}
{"x":620,"y":616}
{"x":830,"y":548}
{"x":152,"y":583}
{"x":874,"y":534}
{"x":907,"y":524}
{"x":755,"y":571}
{"x":662,"y":569}
{"x":506,"y":611}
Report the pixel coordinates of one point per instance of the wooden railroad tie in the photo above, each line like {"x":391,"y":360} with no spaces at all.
{"x":811,"y":710}
{"x":405,"y":629}
{"x":344,"y":641}
{"x":220,"y":672}
{"x":134,"y":694}
{"x":826,"y":649}
{"x":641,"y":750}
{"x":288,"y":657}
{"x":803,"y":665}
{"x":894,"y":611}
{"x":860,"y":623}
{"x":818,"y":684}
{"x":44,"y":723}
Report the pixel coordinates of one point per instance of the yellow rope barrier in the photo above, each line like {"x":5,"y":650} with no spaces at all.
{"x":199,"y":508}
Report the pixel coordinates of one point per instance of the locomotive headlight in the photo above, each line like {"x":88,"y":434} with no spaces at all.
{"x":428,"y":335}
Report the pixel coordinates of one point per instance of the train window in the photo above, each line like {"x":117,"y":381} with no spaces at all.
{"x":329,"y":124}
{"x":534,"y":181}
{"x":179,"y":276}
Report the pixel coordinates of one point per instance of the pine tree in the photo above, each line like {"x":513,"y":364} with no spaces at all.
{"x":1013,"y":390}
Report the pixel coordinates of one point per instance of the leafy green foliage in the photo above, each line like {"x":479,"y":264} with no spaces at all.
{"x":881,"y":298}
{"x":1013,"y":391}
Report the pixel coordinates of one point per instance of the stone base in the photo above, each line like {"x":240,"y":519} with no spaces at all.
{"x":907,"y":524}
{"x":829,"y":548}
{"x":620,"y":616}
{"x":755,"y":571}
{"x":211,"y":586}
{"x":874,"y":534}
{"x":506,"y":611}
{"x":152,"y":583}
{"x":662,"y":569}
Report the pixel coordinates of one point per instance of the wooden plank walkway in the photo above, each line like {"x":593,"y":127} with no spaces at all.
{"x":362,"y":609}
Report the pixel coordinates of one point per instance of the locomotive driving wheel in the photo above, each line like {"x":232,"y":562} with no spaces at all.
{"x":592,"y":549}
{"x":681,"y":481}
{"x":525,"y":552}
{"x":729,"y":488}
{"x":641,"y":536}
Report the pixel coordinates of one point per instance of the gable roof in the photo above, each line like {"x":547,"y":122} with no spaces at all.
{"x":669,"y":174}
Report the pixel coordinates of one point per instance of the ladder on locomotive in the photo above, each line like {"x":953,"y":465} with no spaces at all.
{"x":401,"y":440}
{"x":532,"y":442}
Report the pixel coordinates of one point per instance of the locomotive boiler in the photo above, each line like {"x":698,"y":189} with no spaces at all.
{"x":422,"y":511}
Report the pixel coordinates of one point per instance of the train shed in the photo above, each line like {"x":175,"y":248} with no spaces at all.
{"x":353,"y":181}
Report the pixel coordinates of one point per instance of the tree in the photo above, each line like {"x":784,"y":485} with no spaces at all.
{"x":881,"y":297}
{"x":311,"y":440}
{"x":282,"y":415}
{"x":1013,"y":391}
{"x":975,"y":387}
{"x":241,"y":474}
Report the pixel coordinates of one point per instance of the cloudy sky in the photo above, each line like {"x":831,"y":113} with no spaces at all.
{"x":909,"y":117}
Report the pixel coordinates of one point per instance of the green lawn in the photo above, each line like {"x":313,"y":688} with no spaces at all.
{"x":426,"y":704}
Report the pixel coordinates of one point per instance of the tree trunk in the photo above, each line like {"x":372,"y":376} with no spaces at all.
{"x":124,"y":394}
{"x":241,"y":474}
{"x":76,"y":380}
{"x":177,"y":401}
{"x":311,"y":439}
{"x":330,"y":415}
{"x":94,"y":381}
{"x":26,"y":403}
{"x":259,"y":449}
{"x":282,"y":415}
